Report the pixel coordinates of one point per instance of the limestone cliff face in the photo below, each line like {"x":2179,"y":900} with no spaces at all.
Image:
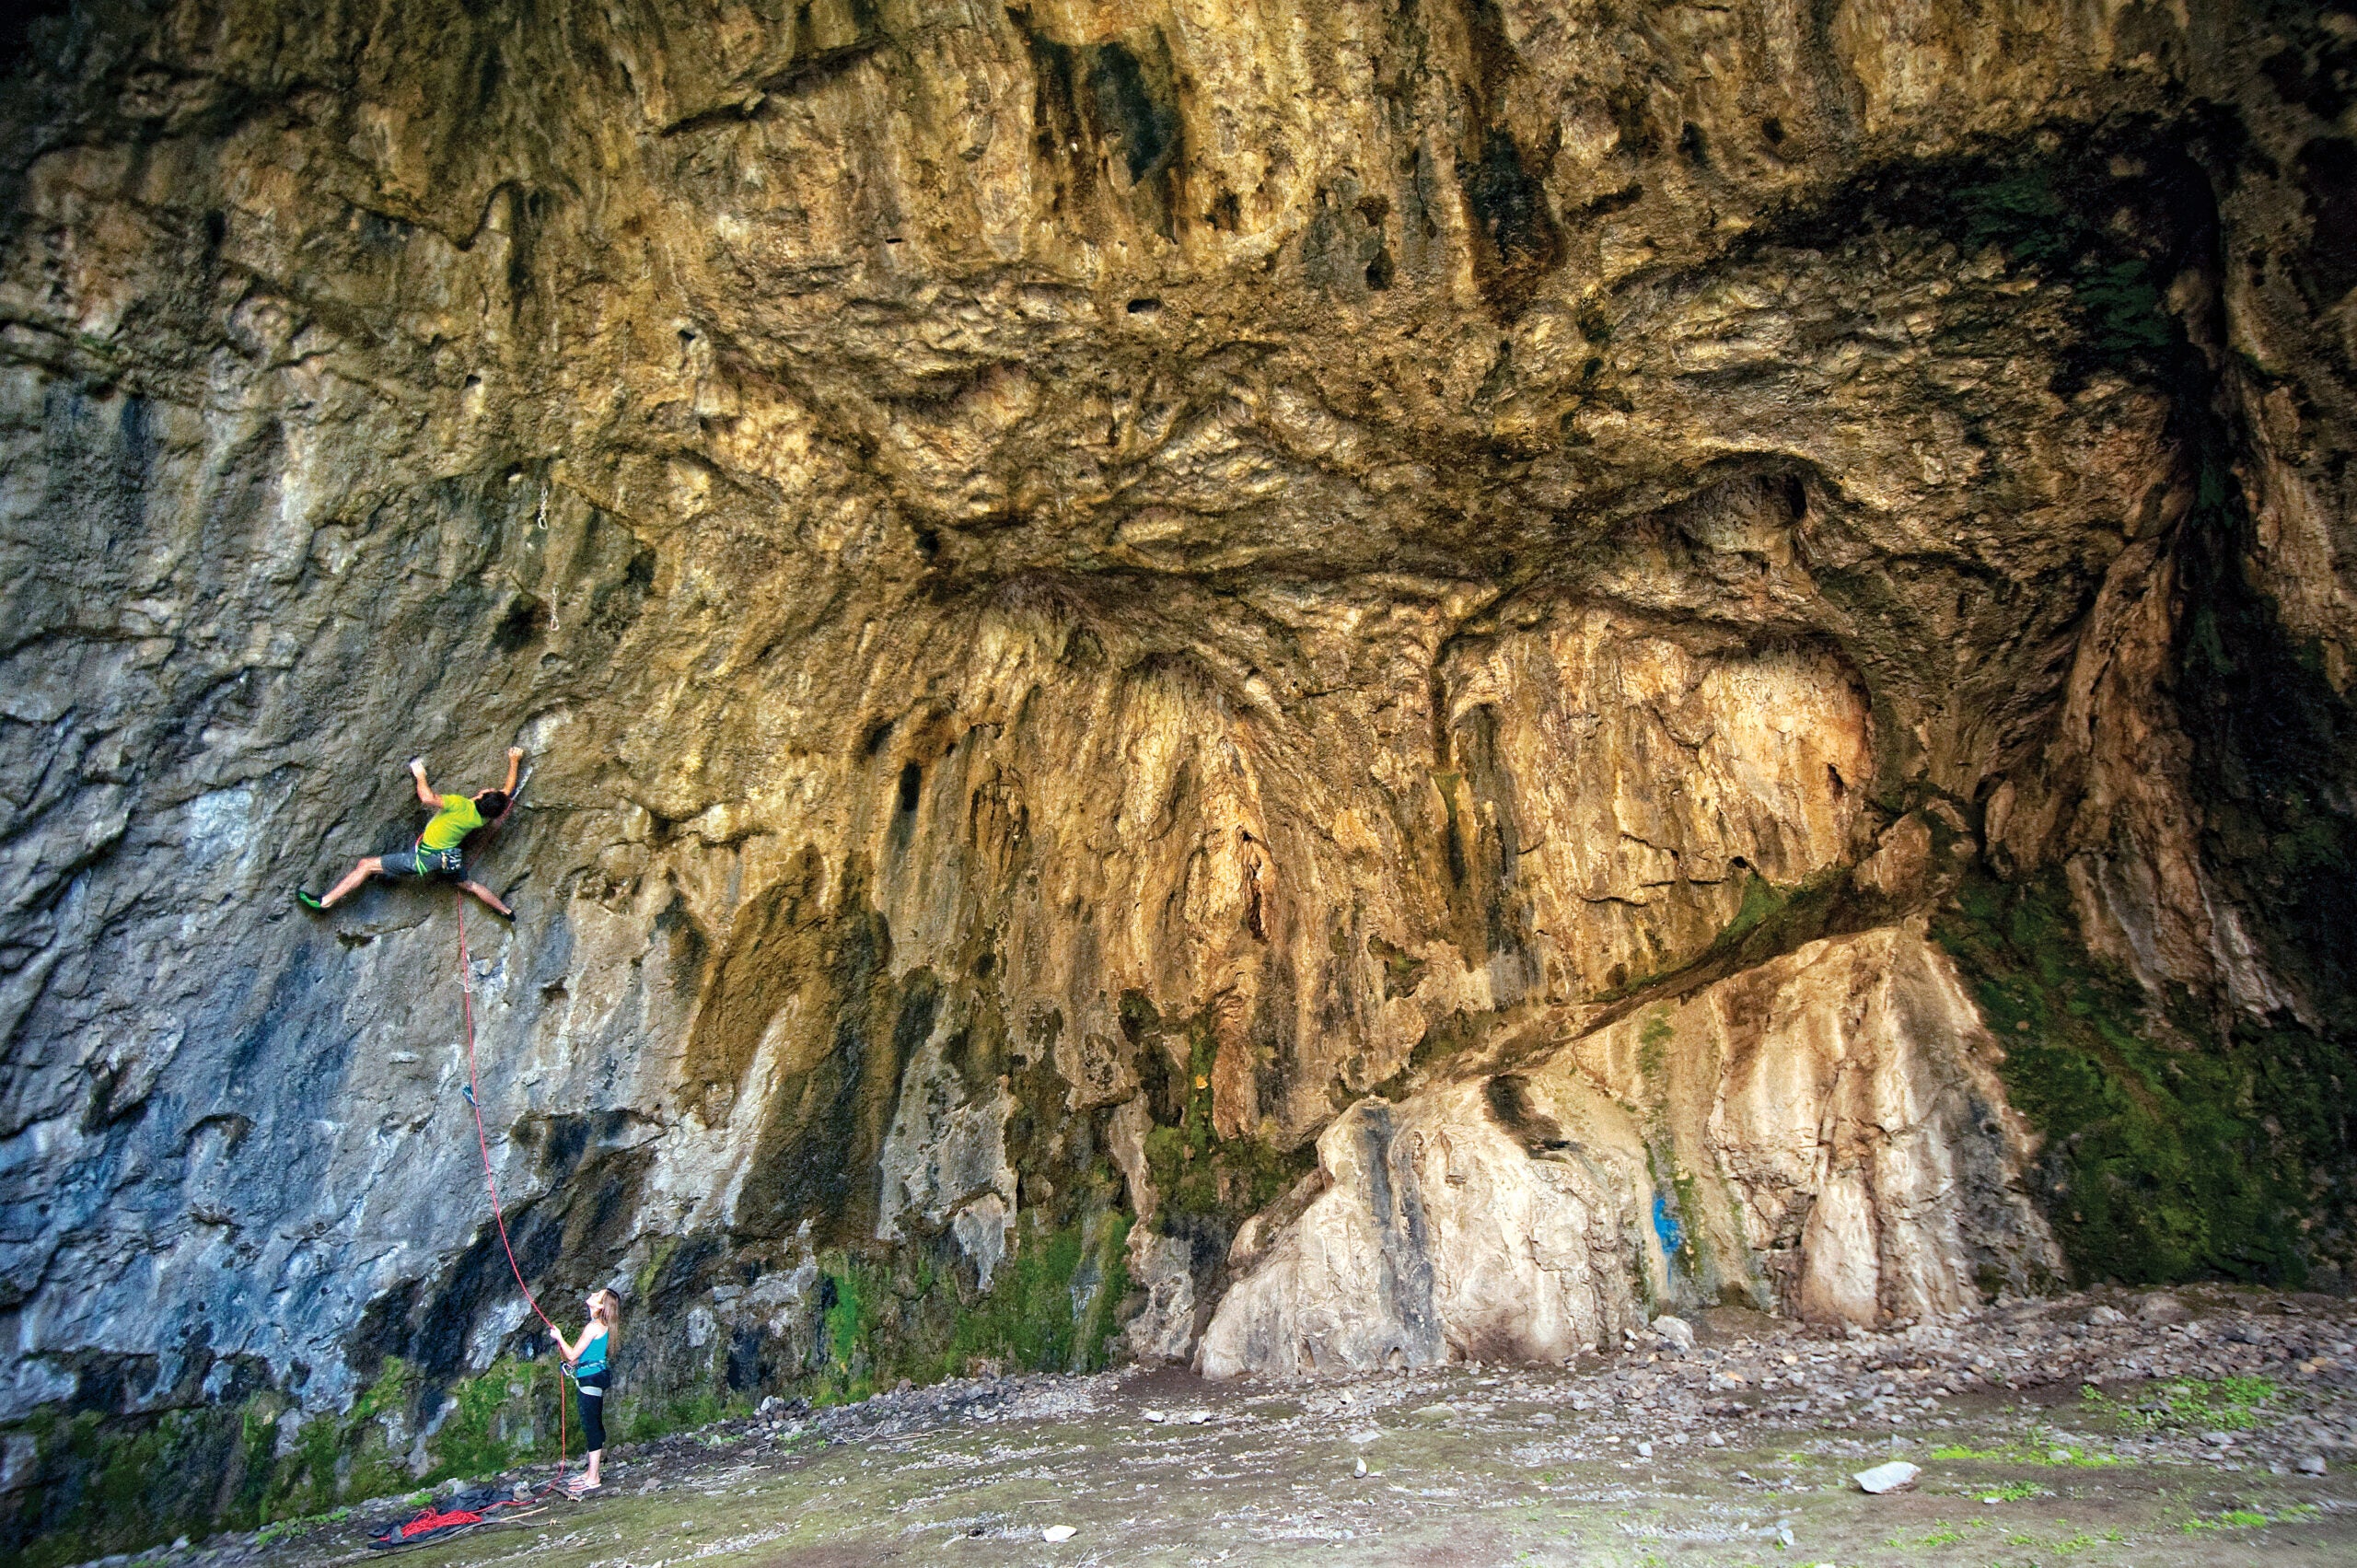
{"x":1308,"y":683}
{"x":1823,"y":1135}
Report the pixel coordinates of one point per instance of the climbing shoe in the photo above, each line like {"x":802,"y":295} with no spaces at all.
{"x":307,"y":901}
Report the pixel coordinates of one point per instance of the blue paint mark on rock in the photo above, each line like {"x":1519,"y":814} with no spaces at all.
{"x":1666,"y":1226}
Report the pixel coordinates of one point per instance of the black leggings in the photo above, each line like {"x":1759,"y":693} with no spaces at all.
{"x":589,"y":1399}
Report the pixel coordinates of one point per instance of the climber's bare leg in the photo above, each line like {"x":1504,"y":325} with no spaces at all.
{"x":489,"y":897}
{"x":369,"y":867}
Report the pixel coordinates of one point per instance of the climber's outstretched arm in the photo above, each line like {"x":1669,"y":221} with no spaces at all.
{"x":425,"y":796}
{"x":515,"y":764}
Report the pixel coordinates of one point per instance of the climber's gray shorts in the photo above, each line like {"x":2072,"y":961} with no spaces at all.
{"x":403,"y":862}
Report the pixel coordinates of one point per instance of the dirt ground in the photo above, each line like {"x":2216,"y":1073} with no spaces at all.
{"x":2098,"y":1429}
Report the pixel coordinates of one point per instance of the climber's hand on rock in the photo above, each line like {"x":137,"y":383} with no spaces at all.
{"x":514,"y":753}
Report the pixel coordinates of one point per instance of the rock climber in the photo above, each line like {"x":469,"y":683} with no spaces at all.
{"x":586,"y":1362}
{"x":440,"y":851}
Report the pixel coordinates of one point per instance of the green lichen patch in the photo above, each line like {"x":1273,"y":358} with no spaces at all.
{"x":1198,"y":1175}
{"x":2170,"y":1153}
{"x":2106,"y":216}
{"x":1452,"y":1035}
{"x":1772,"y":920}
{"x":1052,"y":1305}
{"x":1653,"y":1039}
{"x":115,"y":1483}
{"x":110,"y":1485}
{"x":1402,"y":971}
{"x":1055,"y":1305}
{"x":2274,"y":746}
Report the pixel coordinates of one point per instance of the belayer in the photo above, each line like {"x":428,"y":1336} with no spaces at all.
{"x":588,"y":1362}
{"x":440,"y":850}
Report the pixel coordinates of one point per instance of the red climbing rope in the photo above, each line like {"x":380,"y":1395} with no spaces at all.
{"x":482,"y":1143}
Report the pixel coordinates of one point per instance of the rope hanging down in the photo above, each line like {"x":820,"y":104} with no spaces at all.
{"x":483,"y":1144}
{"x":430,"y":1523}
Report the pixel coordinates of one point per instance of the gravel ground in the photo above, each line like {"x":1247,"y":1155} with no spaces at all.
{"x":2209,"y":1425}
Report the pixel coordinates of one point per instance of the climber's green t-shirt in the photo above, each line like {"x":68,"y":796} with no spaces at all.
{"x":450,"y":826}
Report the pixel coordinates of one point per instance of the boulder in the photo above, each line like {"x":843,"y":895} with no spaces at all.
{"x":1896,"y":1475}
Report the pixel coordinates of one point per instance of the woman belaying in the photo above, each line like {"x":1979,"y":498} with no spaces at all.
{"x":440,"y":851}
{"x":587,"y":1364}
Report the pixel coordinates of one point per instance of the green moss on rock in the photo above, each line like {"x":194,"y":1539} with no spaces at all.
{"x":1052,"y":1305}
{"x":111,"y":1483}
{"x":2170,"y":1153}
{"x":118,"y":1483}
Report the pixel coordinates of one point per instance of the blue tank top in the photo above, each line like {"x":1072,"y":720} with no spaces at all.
{"x":593,"y":1357}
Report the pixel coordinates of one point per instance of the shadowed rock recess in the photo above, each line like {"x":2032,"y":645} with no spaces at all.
{"x":1296,"y":688}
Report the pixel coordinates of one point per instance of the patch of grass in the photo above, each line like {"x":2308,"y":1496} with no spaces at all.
{"x":650,"y":1419}
{"x":278,"y":1529}
{"x":2230,"y":1404}
{"x":2030,"y":1452}
{"x":2018,"y":1491}
{"x":1945,"y":1535}
{"x":2083,"y":1541}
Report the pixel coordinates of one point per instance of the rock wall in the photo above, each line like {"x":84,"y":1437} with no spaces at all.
{"x":1148,"y":632}
{"x":1823,"y":1136}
